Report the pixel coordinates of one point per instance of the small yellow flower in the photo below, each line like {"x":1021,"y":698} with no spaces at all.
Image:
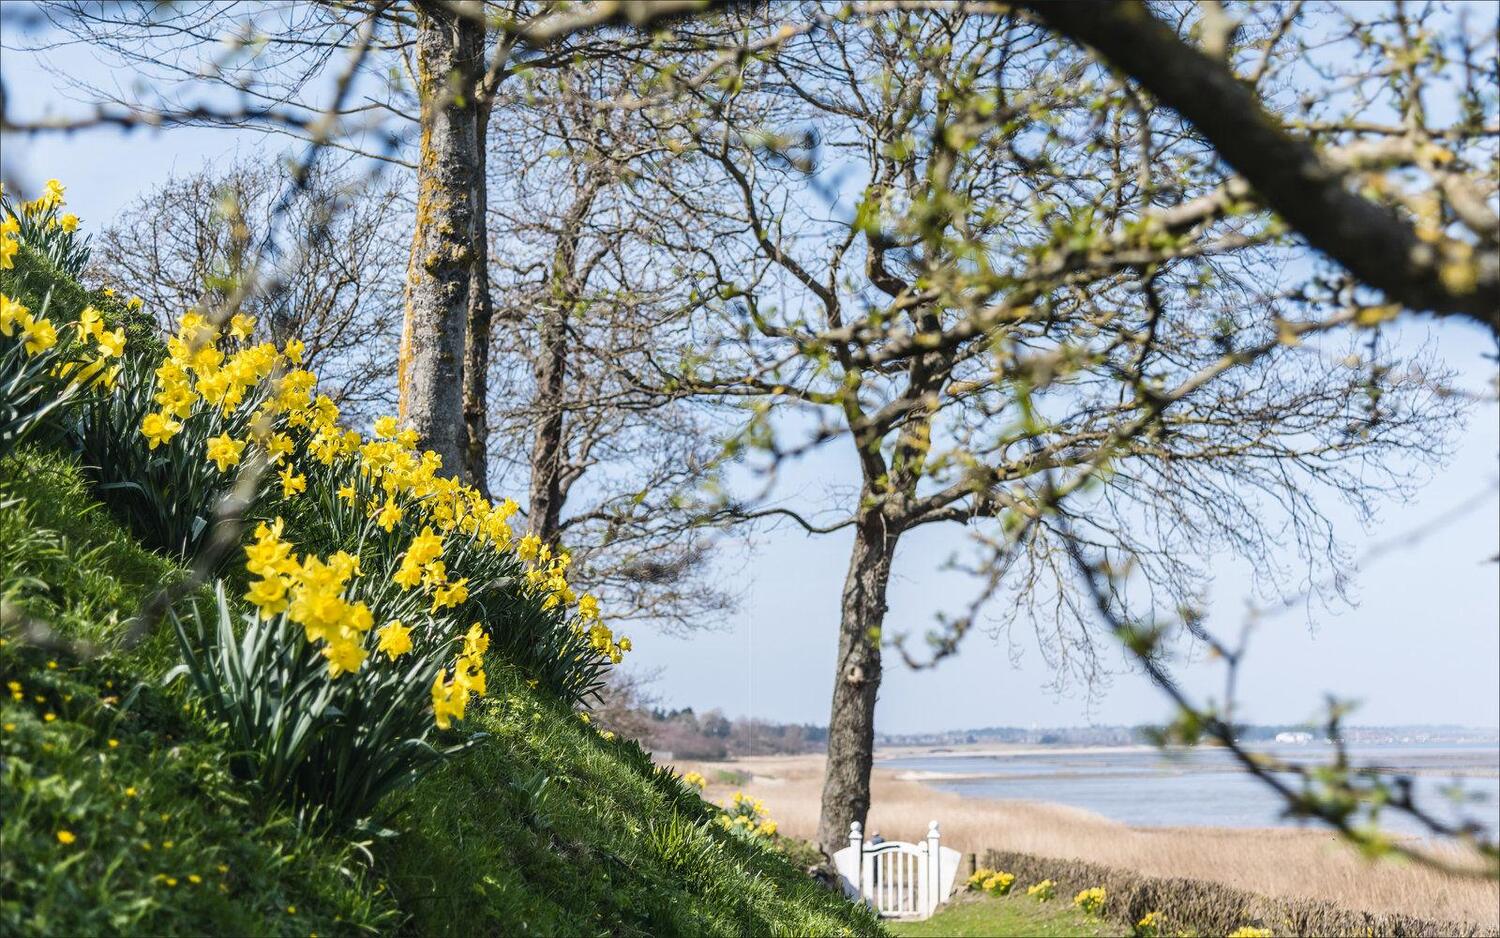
{"x":131,"y":792}
{"x":49,"y":716}
{"x":114,"y":744}
{"x":52,"y":666}
{"x":69,"y":222}
{"x":65,"y":837}
{"x":194,"y":878}
{"x":10,"y":727}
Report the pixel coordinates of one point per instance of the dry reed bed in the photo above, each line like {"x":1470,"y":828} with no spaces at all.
{"x":1309,"y":864}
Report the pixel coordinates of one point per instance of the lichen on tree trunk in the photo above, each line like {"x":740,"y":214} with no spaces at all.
{"x":851,"y":724}
{"x":440,"y":273}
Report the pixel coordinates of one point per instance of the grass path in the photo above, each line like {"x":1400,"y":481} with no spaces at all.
{"x":1008,"y":916}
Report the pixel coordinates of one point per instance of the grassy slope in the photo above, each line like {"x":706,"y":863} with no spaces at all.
{"x":1006,"y":916}
{"x":544,"y":827}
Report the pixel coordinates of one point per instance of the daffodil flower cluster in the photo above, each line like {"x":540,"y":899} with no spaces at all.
{"x":314,"y":594}
{"x":38,"y":334}
{"x":197,"y":372}
{"x":547,"y":573}
{"x":994,"y":882}
{"x":1041,"y":891}
{"x":43,"y":225}
{"x":747,"y":817}
{"x":10,"y":242}
{"x":311,"y":592}
{"x":451,"y":696}
{"x":422,"y":566}
{"x":1091,"y":900}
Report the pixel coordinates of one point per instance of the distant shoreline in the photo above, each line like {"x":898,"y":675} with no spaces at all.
{"x":1002,"y":751}
{"x":1281,"y":861}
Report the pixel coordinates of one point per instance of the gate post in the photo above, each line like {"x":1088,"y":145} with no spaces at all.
{"x":933,"y":881}
{"x":857,"y":844}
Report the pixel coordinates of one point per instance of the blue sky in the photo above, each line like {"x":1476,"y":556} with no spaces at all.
{"x":1422,"y":645}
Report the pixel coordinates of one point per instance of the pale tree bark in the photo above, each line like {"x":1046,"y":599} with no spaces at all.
{"x":441,"y":271}
{"x":851,"y":724}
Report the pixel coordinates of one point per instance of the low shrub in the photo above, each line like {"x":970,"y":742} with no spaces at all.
{"x":1161,"y":906}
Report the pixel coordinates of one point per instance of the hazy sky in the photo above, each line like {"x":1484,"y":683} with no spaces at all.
{"x":1423,"y":644}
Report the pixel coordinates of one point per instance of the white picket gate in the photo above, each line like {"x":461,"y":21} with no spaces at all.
{"x":900,"y":880}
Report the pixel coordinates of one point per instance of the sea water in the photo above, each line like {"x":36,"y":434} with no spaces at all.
{"x":1205,"y":787}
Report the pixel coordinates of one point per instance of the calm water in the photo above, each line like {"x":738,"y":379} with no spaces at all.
{"x":1201,"y":787}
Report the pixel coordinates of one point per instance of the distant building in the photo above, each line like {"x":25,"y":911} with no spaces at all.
{"x":1297,"y":738}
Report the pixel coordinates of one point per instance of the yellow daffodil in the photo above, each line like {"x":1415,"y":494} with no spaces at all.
{"x":394,"y":639}
{"x":390,"y":513}
{"x":40,"y":335}
{"x":224,"y":451}
{"x":159,"y":428}
{"x":291,"y":483}
{"x":344,"y":657}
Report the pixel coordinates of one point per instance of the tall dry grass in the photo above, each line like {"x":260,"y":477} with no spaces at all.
{"x":1277,"y":862}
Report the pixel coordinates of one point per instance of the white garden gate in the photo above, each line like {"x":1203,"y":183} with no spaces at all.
{"x":899,"y":880}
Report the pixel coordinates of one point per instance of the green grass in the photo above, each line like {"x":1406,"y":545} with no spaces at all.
{"x":1008,"y":915}
{"x":543,"y":828}
{"x":550,"y":828}
{"x":164,"y":840}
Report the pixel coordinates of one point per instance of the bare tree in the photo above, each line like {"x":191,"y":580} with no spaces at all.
{"x":1032,"y":309}
{"x":586,"y":296}
{"x":428,"y":69}
{"x":187,"y":244}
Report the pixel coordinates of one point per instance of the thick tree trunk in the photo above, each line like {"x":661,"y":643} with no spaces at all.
{"x":450,"y":59}
{"x":481,"y":312}
{"x":544,"y":505}
{"x":851,"y":725}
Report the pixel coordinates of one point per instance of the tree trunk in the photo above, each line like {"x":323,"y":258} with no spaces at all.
{"x":440,"y":274}
{"x":544,"y":504}
{"x":546,"y":496}
{"x":481,"y":313}
{"x":851,"y":725}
